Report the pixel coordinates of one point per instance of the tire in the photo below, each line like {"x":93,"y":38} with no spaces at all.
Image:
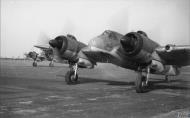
{"x":166,"y":79}
{"x":69,"y":79}
{"x":34,"y":64}
{"x":140,"y":88}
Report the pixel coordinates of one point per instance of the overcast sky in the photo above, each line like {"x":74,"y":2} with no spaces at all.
{"x":25,"y":23}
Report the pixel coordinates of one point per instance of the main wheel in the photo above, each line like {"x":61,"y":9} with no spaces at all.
{"x":51,"y":64}
{"x":34,"y":64}
{"x":166,"y":78}
{"x":70,"y":77}
{"x":140,"y":83}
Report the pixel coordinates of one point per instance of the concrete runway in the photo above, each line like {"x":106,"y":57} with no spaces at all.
{"x":104,"y":92}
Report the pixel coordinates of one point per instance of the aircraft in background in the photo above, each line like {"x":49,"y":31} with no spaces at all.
{"x":135,"y":51}
{"x":47,"y":54}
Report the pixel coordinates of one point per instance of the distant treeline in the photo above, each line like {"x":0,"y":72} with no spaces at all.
{"x":7,"y":58}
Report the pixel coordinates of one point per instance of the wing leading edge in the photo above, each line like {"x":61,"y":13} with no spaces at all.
{"x":175,"y":55}
{"x":98,"y":55}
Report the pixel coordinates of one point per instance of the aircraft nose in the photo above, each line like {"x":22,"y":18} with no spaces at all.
{"x":53,"y":43}
{"x":129,"y":41}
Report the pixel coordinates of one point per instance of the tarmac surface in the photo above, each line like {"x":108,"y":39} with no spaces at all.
{"x":104,"y":92}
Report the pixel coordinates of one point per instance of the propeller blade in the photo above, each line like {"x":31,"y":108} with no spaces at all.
{"x":43,"y":38}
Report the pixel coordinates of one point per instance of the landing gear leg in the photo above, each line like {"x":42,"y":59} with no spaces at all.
{"x":34,"y":63}
{"x":71,"y":76}
{"x":141,"y":83}
{"x":51,"y":64}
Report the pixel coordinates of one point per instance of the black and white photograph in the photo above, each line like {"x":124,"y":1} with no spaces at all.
{"x":95,"y":59}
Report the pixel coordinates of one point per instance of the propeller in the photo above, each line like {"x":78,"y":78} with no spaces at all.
{"x":43,"y":38}
{"x":43,"y":43}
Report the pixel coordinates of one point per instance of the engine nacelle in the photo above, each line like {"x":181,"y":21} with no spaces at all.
{"x":169,"y":47}
{"x":33,"y":55}
{"x":68,"y":47}
{"x":84,"y":63}
{"x":138,"y":47}
{"x":159,"y":68}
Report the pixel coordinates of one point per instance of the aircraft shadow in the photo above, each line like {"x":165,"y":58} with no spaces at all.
{"x":153,"y":85}
{"x":162,"y":84}
{"x":84,"y":80}
{"x":46,"y":66}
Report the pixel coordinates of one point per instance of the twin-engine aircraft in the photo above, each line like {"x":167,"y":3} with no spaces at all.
{"x":47,"y":54}
{"x":135,"y":51}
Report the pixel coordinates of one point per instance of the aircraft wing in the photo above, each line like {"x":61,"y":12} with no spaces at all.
{"x":98,"y":55}
{"x":175,"y":55}
{"x":43,"y":47}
